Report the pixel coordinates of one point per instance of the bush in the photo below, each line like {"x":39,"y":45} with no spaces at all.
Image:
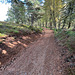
{"x":25,"y":31}
{"x":10,"y":29}
{"x":36,"y":30}
{"x":67,"y":37}
{"x":32,"y":28}
{"x":16,"y":31}
{"x":2,"y":35}
{"x":71,"y":43}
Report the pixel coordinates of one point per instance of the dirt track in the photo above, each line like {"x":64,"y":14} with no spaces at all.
{"x":41,"y":58}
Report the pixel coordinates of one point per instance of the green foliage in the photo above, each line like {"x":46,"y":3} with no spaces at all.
{"x":37,"y":30}
{"x":16,"y":31}
{"x":67,"y":38}
{"x":2,"y":35}
{"x":7,"y":28}
{"x":16,"y":13}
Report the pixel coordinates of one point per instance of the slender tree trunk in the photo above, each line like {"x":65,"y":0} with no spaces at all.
{"x":43,"y":24}
{"x":74,"y":26}
{"x":59,"y":24}
{"x":32,"y":21}
{"x":69,"y":25}
{"x":64,"y":23}
{"x":35,"y":25}
{"x":46,"y":23}
{"x":22,"y":22}
{"x":50,"y":23}
{"x":50,"y":19}
{"x":29,"y":21}
{"x":40,"y":24}
{"x":54,"y":21}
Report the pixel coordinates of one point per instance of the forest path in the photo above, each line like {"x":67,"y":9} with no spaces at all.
{"x":41,"y":58}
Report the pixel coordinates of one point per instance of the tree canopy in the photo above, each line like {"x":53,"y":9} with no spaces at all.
{"x":54,"y":13}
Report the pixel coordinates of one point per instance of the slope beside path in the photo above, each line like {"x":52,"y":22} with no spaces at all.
{"x":41,"y":58}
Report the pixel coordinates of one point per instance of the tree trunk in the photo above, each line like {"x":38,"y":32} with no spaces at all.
{"x":32,"y":20}
{"x":46,"y":23}
{"x":43,"y":24}
{"x":64,"y":23}
{"x":74,"y":26}
{"x":59,"y":24}
{"x":54,"y":21}
{"x":40,"y":24}
{"x":50,"y":23}
{"x":69,"y":25}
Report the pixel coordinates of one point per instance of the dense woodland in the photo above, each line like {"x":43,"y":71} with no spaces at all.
{"x":56,"y":14}
{"x":33,"y":15}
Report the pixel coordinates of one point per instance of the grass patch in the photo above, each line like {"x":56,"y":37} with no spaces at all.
{"x":12,"y":28}
{"x":2,"y":35}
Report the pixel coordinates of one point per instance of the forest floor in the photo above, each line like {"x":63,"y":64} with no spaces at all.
{"x":42,"y":57}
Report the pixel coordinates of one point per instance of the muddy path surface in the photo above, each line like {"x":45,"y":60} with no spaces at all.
{"x":41,"y":58}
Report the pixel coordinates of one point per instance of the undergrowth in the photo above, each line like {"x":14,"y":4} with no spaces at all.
{"x":67,"y":39}
{"x":12,"y":28}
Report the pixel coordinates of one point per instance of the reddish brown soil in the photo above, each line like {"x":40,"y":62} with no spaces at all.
{"x":14,"y":45}
{"x":43,"y":57}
